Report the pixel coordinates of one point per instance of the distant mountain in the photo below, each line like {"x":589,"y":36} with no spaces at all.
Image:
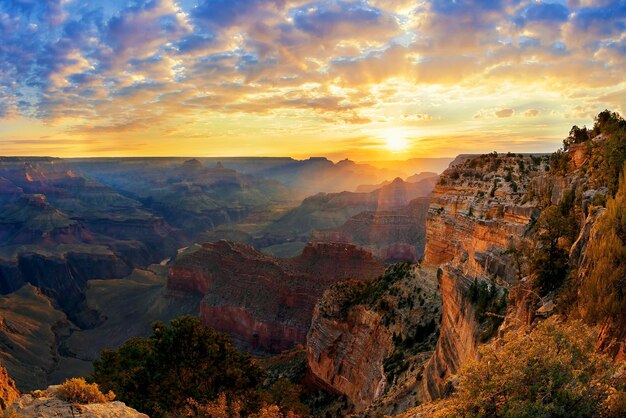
{"x":413,"y":165}
{"x":326,"y":211}
{"x":59,"y":229}
{"x":188,"y":194}
{"x":415,"y":178}
{"x":391,"y":235}
{"x":322,"y":175}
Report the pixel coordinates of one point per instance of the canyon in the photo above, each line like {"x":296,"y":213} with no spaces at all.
{"x":387,"y":337}
{"x":265,"y":303}
{"x":483,"y":215}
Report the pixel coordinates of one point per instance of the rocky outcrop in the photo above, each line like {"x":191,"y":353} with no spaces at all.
{"x":459,"y":335}
{"x":265,"y":303}
{"x":348,"y":354}
{"x":46,"y":404}
{"x":8,"y":391}
{"x":364,"y":336}
{"x":479,"y":210}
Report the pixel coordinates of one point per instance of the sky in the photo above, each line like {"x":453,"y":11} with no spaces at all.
{"x":366,"y":80}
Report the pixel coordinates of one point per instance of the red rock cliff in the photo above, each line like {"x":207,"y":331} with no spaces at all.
{"x":479,"y":210}
{"x":265,"y":303}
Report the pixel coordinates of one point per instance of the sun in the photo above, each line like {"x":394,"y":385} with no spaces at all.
{"x":395,"y":140}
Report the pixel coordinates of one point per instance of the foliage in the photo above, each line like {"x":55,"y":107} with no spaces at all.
{"x":372,"y":293}
{"x":576,"y":136}
{"x":77,"y":390}
{"x":559,"y":162}
{"x":552,"y":371}
{"x":287,"y":396}
{"x":489,"y":304}
{"x":612,"y":156}
{"x":159,"y":374}
{"x":222,"y":407}
{"x":550,"y":259}
{"x":603,"y":292}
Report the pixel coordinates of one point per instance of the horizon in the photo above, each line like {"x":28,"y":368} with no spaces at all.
{"x":273,"y":78}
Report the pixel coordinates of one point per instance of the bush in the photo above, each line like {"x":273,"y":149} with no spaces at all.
{"x":186,"y":360}
{"x":559,"y":162}
{"x":552,"y":371}
{"x":77,"y":390}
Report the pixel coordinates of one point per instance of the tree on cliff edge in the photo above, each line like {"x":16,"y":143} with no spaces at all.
{"x":160,"y":374}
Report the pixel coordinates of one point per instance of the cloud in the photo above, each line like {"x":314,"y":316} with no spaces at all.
{"x":169,"y":65}
{"x":505,"y":113}
{"x":342,"y":19}
{"x":543,"y":12}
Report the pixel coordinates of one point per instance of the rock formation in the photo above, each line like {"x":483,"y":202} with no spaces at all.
{"x":265,"y":303}
{"x":478,"y":211}
{"x":364,"y":336}
{"x":390,"y":235}
{"x":8,"y":391}
{"x":46,"y":404}
{"x":59,"y":229}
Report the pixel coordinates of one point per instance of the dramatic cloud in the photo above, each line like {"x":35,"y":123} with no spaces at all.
{"x":230,"y":76}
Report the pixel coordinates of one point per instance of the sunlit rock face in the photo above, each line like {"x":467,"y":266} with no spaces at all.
{"x":369,"y":341}
{"x":47,"y":404}
{"x":8,"y":391}
{"x":265,"y":303}
{"x":480,"y":209}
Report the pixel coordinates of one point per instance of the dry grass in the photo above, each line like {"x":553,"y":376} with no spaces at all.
{"x":77,"y":390}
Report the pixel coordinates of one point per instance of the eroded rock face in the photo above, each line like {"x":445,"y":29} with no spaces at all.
{"x":369,"y":341}
{"x":265,"y":303}
{"x":8,"y":391}
{"x":46,"y":405}
{"x":480,"y":209}
{"x":459,"y":335}
{"x":348,"y":355}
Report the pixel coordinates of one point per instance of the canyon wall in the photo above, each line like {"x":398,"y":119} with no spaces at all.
{"x":478,"y":213}
{"x":265,"y":303}
{"x":369,"y":341}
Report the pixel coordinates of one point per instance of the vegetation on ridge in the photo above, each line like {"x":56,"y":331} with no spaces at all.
{"x":77,"y":390}
{"x":188,"y":369}
{"x":553,"y":370}
{"x":603,"y":292}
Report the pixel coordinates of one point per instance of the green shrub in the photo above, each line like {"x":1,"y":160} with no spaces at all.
{"x":186,"y":360}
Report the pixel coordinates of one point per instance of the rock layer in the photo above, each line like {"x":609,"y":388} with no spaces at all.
{"x":8,"y":391}
{"x":368,"y":341}
{"x":478,"y":211}
{"x":265,"y":303}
